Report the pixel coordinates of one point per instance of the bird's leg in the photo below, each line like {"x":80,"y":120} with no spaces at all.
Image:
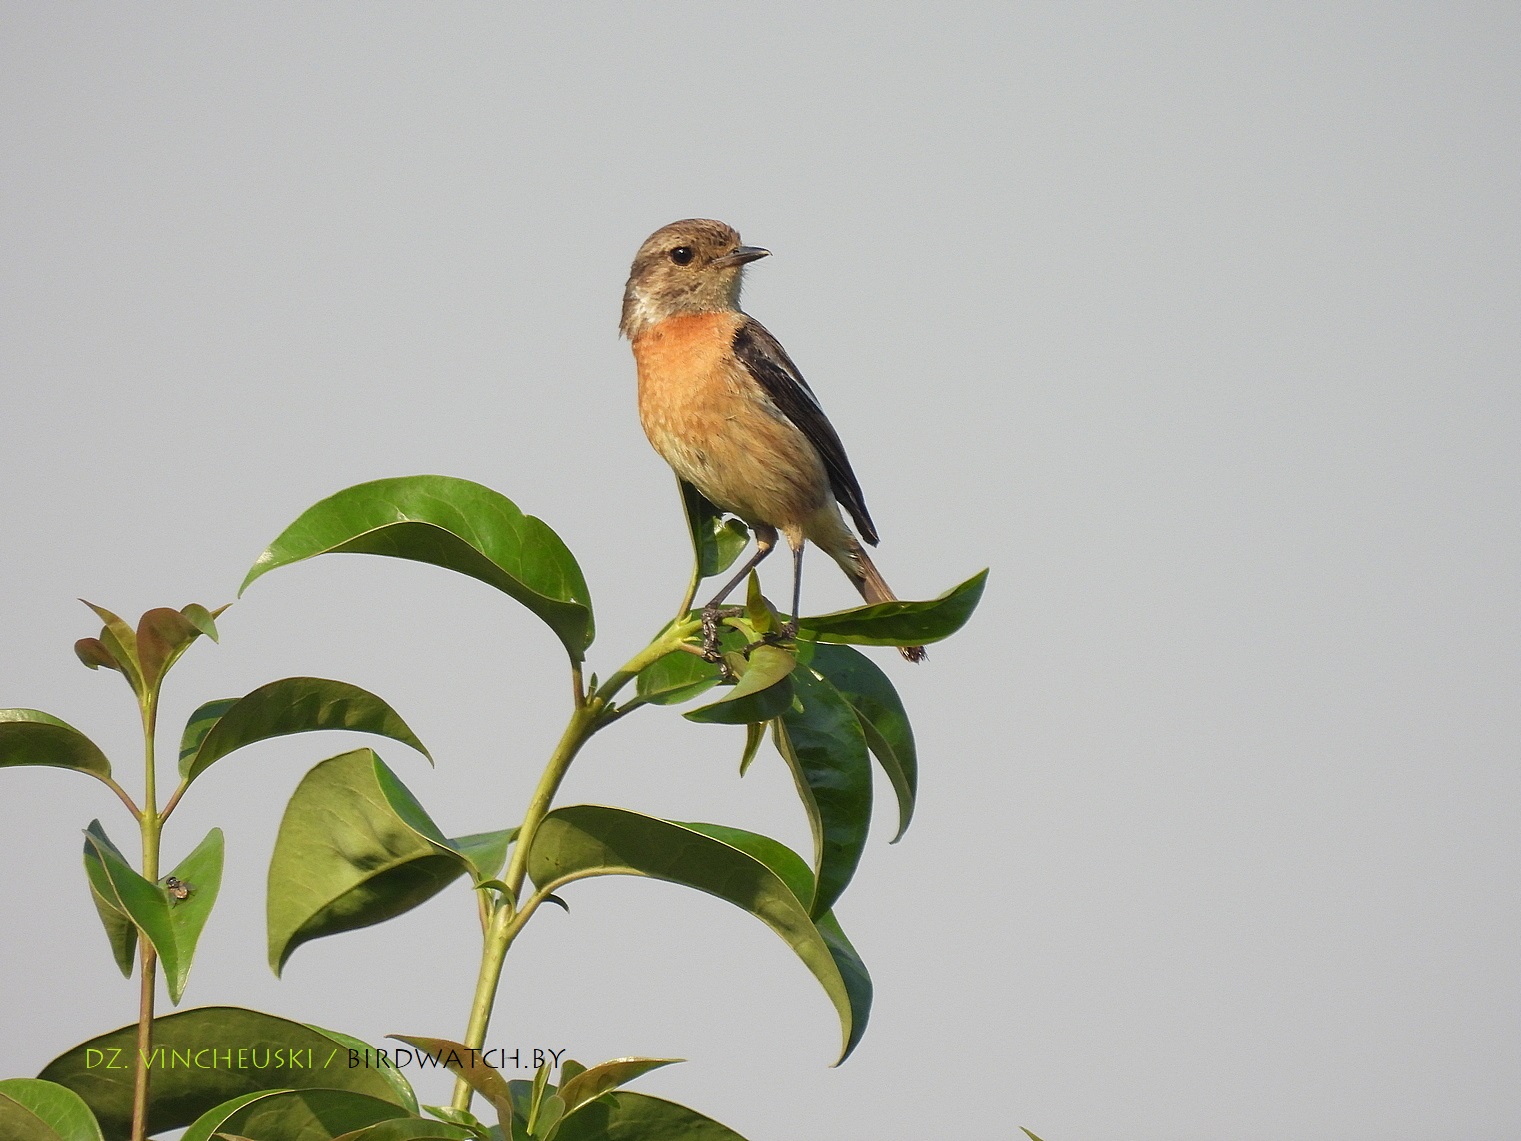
{"x":712,"y":614}
{"x":789,"y":630}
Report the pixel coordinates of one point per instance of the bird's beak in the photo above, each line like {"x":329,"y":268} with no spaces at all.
{"x":742,"y":255}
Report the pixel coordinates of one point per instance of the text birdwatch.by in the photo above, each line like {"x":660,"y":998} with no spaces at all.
{"x":723,"y":403}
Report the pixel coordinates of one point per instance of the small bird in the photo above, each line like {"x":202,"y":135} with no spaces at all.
{"x":724,"y":405}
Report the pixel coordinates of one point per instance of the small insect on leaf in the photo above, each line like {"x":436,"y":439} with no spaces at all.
{"x":177,"y":888}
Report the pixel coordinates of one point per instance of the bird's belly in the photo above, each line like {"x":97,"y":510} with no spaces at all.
{"x":712,"y":423}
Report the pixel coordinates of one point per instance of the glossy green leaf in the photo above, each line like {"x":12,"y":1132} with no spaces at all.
{"x":205,"y":1056}
{"x":677,"y":677}
{"x":201,"y":874}
{"x":755,"y":734}
{"x":34,"y":1110}
{"x":763,"y":690}
{"x":451,"y":523}
{"x":884,"y":721}
{"x":120,"y":643}
{"x":296,"y":1115}
{"x":410,"y":1129}
{"x":32,"y":737}
{"x":716,"y":541}
{"x":201,"y":722}
{"x":591,"y":840}
{"x":122,"y":897}
{"x":823,"y":744}
{"x":1028,"y":1134}
{"x":354,"y":849}
{"x":142,"y":902}
{"x":627,"y":1116}
{"x":204,"y":620}
{"x":120,"y":930}
{"x":296,"y":705}
{"x":486,"y":851}
{"x":793,"y":870}
{"x":606,"y":1077}
{"x":899,"y":623}
{"x":470,"y":1066}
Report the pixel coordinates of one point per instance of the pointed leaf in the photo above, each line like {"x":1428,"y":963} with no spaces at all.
{"x":121,"y":644}
{"x":346,"y":858}
{"x":883,"y":719}
{"x":186,"y":1084}
{"x":716,"y":541}
{"x":591,"y":840}
{"x":120,"y":929}
{"x":629,"y":1116}
{"x":200,"y":873}
{"x":762,"y":692}
{"x":899,"y":623}
{"x":606,"y":1077}
{"x":676,"y":677}
{"x":201,"y":723}
{"x":296,"y":1115}
{"x":486,"y":851}
{"x":297,"y":705}
{"x":822,"y":742}
{"x":469,"y":1065}
{"x":32,"y":737}
{"x":203,"y":620}
{"x":144,"y":903}
{"x":411,"y":1129}
{"x":792,"y":870}
{"x":34,"y":1110}
{"x":451,"y":523}
{"x":754,"y":735}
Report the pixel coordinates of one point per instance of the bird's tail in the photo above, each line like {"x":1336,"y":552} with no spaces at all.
{"x":859,"y":568}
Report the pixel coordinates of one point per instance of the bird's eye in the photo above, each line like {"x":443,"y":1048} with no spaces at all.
{"x":682,"y":255}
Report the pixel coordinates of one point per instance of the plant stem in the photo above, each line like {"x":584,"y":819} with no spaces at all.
{"x":592,"y":711}
{"x":150,"y":822}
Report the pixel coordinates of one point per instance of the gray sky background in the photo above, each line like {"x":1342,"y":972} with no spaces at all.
{"x":1197,"y":323}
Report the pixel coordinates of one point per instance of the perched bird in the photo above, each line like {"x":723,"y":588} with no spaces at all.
{"x":725,"y":406}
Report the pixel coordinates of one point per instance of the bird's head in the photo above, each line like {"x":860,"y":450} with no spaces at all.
{"x":692,"y":266}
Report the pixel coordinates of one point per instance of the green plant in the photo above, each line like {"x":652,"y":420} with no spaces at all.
{"x":356,"y":847}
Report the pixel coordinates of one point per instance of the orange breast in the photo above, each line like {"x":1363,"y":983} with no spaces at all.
{"x":714,"y":425}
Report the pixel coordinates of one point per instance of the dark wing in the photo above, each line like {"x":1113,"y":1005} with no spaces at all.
{"x":769,"y":363}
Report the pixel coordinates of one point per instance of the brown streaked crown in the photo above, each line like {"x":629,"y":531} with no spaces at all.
{"x":691,"y":266}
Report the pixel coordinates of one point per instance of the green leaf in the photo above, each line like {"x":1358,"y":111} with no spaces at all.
{"x":716,"y":541}
{"x":467,"y":1064}
{"x":627,"y":1116}
{"x":486,"y":851}
{"x":34,"y":1110}
{"x":32,"y":737}
{"x":296,"y":1115}
{"x":120,"y":930}
{"x":201,"y":722}
{"x":792,"y":870}
{"x":203,"y":620}
{"x":120,"y":643}
{"x":203,"y":1057}
{"x":606,"y":1077}
{"x":1028,"y":1134}
{"x":754,"y":734}
{"x":354,"y":849}
{"x":591,"y":840}
{"x":764,"y":689}
{"x":200,"y":873}
{"x":142,"y":902}
{"x":294,"y":705}
{"x":899,"y":623}
{"x":451,"y":523}
{"x":93,"y":653}
{"x":676,"y":677}
{"x":411,"y":1129}
{"x":124,"y":898}
{"x":822,"y":742}
{"x":883,"y":719}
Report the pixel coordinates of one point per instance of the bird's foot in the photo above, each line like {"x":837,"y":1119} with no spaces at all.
{"x":711,"y":617}
{"x":783,"y":635}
